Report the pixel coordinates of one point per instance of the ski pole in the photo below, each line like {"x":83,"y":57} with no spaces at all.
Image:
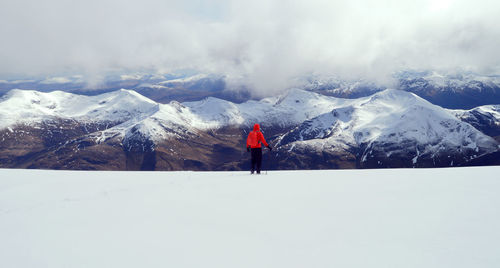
{"x":267,"y":166}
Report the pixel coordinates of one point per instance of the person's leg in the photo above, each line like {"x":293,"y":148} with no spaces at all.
{"x":259,"y":159}
{"x":253,"y":161}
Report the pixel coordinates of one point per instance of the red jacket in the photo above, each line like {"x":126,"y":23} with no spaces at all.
{"x":255,"y":138}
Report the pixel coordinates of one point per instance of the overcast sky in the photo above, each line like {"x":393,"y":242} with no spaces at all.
{"x":260,"y":42}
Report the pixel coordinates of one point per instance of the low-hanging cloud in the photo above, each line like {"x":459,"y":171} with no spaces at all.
{"x":261,"y":44}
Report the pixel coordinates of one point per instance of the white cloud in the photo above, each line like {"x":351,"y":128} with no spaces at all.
{"x":56,"y":80}
{"x":260,"y":43}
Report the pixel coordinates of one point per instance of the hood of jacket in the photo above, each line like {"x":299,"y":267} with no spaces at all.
{"x":256,"y":127}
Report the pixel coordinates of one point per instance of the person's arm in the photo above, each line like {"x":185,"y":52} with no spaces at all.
{"x":261,"y":139}
{"x":248,"y":143}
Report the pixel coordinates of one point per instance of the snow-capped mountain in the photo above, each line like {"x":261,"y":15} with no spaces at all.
{"x":389,"y":124}
{"x":125,"y":130}
{"x":28,"y":106}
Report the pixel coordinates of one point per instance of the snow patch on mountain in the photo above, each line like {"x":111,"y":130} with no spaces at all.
{"x":185,"y":79}
{"x":150,"y":85}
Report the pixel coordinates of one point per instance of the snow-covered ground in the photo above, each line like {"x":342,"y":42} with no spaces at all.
{"x":331,"y":218}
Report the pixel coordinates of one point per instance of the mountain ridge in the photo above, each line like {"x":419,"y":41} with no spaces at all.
{"x":132,"y":126}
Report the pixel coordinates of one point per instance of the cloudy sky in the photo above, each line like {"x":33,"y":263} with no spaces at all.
{"x":260,"y":42}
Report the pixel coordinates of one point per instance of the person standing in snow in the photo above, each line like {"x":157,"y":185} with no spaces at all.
{"x":254,"y":141}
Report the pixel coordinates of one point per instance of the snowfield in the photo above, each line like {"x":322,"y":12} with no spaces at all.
{"x":330,"y":218}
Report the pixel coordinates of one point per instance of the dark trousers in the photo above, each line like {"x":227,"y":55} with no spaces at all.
{"x":256,"y":159}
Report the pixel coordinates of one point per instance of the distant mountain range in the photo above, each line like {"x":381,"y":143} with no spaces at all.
{"x":161,"y":88}
{"x":454,"y":91}
{"x":124,"y":130}
{"x":463,"y":90}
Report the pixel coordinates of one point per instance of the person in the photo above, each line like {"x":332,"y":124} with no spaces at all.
{"x":254,"y":141}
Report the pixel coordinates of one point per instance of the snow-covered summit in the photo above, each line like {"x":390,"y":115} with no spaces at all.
{"x":29,"y":106}
{"x":184,"y":79}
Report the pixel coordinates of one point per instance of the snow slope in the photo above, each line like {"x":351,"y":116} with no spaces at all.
{"x":363,"y":218}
